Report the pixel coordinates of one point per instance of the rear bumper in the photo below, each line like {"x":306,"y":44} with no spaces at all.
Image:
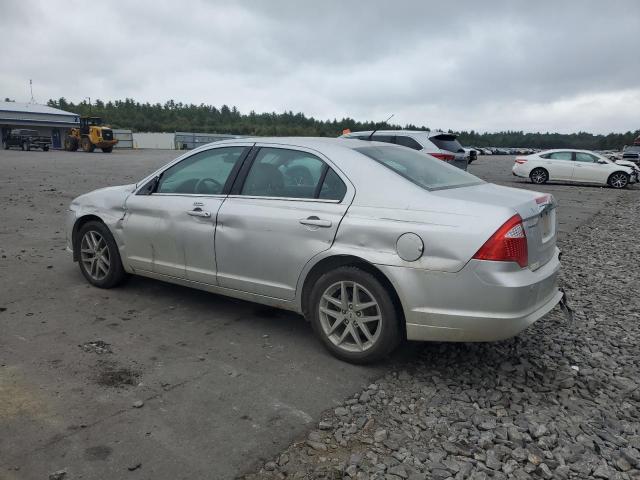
{"x":520,"y":171}
{"x":485,"y":301}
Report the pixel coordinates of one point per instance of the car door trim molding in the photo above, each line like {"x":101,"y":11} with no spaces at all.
{"x":293,"y":199}
{"x":167,"y":194}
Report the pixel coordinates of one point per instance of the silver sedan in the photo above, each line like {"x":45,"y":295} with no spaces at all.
{"x":373,"y":243}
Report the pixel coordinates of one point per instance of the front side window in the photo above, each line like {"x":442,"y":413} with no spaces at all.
{"x":419,"y":168}
{"x":283,"y":173}
{"x":204,"y":173}
{"x":560,"y":156}
{"x":585,"y":157}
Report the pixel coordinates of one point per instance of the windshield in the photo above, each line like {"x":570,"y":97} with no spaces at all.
{"x":447,"y":142}
{"x":632,"y":149}
{"x":419,"y":168}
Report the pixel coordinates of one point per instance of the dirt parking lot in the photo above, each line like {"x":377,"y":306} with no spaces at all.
{"x":157,"y":381}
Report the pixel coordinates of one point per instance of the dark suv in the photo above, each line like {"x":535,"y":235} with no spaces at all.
{"x":632,"y":153}
{"x":26,"y":140}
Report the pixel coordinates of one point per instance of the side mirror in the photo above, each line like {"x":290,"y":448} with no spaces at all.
{"x":150,"y":186}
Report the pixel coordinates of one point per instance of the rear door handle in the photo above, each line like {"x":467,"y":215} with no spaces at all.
{"x":198,"y":213}
{"x":315,"y":222}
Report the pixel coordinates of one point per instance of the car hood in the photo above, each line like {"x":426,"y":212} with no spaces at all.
{"x":626,"y":163}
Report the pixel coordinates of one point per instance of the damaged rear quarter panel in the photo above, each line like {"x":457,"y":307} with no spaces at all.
{"x":450,"y":238}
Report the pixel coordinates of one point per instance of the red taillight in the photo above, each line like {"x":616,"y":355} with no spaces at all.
{"x":447,"y":157}
{"x":543,"y":199}
{"x":520,"y":161}
{"x":508,"y":244}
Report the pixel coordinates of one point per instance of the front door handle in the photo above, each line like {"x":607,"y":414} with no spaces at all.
{"x":315,"y":222}
{"x":198,"y":213}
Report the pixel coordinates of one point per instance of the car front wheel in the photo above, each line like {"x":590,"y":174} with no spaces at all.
{"x":354,"y":315}
{"x":98,"y":256}
{"x":618,"y":180}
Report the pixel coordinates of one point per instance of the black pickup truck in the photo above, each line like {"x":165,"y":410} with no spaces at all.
{"x":26,"y":140}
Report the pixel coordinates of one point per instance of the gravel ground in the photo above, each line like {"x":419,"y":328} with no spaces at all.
{"x":560,"y":401}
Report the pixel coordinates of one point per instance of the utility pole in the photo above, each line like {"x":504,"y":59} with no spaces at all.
{"x":89,"y":98}
{"x":31,"y":88}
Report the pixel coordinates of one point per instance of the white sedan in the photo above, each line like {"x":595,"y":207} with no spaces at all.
{"x":580,"y":166}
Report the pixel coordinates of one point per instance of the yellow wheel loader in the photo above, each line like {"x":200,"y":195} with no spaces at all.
{"x":89,"y":135}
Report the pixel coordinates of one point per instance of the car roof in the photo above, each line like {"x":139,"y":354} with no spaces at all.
{"x":429,"y":133}
{"x":316,"y":143}
{"x":567,"y":150}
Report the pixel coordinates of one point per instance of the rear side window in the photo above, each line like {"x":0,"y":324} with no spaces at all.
{"x":560,"y":156}
{"x":408,"y":142}
{"x":419,"y":168}
{"x":383,"y":138}
{"x":333,"y":188}
{"x":447,"y":142}
{"x":283,"y":173}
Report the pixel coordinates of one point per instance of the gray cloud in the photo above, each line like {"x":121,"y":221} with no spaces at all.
{"x":558,"y":66}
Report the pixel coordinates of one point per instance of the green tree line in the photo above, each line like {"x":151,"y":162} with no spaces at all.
{"x":176,"y":116}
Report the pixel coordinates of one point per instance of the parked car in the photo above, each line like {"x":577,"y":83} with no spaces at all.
{"x":26,"y":140}
{"x":581,"y":166}
{"x":632,"y":153}
{"x":371,"y":242}
{"x":444,"y":146}
{"x":472,"y":153}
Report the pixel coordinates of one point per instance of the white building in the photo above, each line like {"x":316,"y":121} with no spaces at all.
{"x":46,"y":120}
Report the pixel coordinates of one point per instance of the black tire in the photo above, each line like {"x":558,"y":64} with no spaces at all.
{"x":74,"y":144}
{"x":389,"y":336}
{"x":539,"y":176}
{"x":116,"y":273}
{"x":86,"y":144}
{"x":45,"y":149}
{"x":107,"y":149}
{"x":618,"y":180}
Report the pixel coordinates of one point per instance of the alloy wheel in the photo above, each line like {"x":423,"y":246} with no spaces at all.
{"x":94,"y":255}
{"x":538,"y":176}
{"x":350,"y":316}
{"x":619,"y":180}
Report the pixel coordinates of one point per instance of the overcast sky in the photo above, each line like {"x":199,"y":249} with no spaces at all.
{"x":486,"y":65}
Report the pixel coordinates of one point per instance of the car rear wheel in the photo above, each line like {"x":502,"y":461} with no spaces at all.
{"x":99,"y":257}
{"x":618,"y":180}
{"x":107,"y":149}
{"x":539,"y":176}
{"x":354,"y":316}
{"x":45,"y":149}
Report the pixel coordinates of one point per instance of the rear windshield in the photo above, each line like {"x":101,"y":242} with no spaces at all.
{"x":447,"y":142}
{"x":419,"y":168}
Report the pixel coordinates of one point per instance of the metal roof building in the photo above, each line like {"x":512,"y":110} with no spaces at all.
{"x":46,"y":120}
